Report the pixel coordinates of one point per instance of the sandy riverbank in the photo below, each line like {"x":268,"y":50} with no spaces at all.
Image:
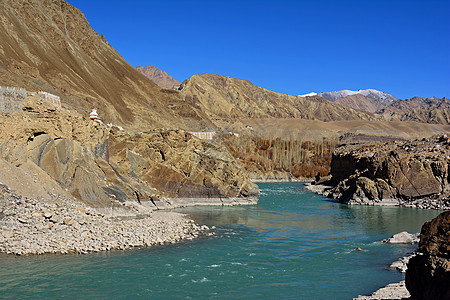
{"x":63,"y":225}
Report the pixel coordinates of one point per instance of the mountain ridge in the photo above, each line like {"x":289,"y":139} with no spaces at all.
{"x":160,"y":77}
{"x":382,"y":97}
{"x":226,"y":97}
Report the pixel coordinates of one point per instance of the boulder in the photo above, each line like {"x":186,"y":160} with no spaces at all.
{"x":403,"y":238}
{"x":428,"y":274}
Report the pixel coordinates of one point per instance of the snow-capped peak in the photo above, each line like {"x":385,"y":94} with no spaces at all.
{"x":309,"y":94}
{"x":381,"y":97}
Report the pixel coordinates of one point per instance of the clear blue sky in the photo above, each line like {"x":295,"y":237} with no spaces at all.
{"x":398,"y":46}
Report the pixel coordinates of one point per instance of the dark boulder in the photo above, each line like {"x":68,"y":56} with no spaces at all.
{"x":428,"y":274}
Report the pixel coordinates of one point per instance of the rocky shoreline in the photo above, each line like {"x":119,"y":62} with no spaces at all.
{"x":281,"y":180}
{"x":327,"y":191}
{"x":64,"y":225}
{"x":395,"y":290}
{"x":400,"y":173}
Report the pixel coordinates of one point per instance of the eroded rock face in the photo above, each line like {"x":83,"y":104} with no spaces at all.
{"x":108,"y":169}
{"x":428,"y":274}
{"x":395,"y":173}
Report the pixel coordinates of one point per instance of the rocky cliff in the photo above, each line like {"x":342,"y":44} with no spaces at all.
{"x":114,"y":170}
{"x":49,"y":45}
{"x":223,"y":97}
{"x":428,"y":274}
{"x":408,"y":173}
{"x":161,"y":78}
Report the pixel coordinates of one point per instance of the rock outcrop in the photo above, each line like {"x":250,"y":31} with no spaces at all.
{"x":161,"y":78}
{"x":411,"y":173}
{"x":119,"y":172}
{"x":428,"y":274}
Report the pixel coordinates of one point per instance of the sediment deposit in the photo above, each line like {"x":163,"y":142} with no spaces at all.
{"x":64,"y":225}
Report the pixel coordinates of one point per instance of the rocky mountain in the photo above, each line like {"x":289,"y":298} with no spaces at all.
{"x":381,"y":97}
{"x":425,"y":110}
{"x":361,"y":102}
{"x":434,"y":116}
{"x":223,"y":97}
{"x":417,"y":103}
{"x":161,"y":78}
{"x":49,"y":45}
{"x":408,"y":173}
{"x":428,"y":274}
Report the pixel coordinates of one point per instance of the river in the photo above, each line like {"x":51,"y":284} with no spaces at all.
{"x":292,"y":245}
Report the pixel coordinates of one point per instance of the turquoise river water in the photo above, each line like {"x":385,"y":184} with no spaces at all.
{"x":292,"y":245}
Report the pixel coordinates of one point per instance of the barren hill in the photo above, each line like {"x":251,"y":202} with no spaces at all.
{"x":223,"y":97}
{"x":426,"y":110}
{"x":417,"y":103}
{"x":360,"y":102}
{"x":49,"y":45}
{"x":160,"y":77}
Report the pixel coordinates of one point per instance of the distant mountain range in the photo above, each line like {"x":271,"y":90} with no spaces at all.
{"x":160,"y":77}
{"x":425,"y":110}
{"x":381,"y":97}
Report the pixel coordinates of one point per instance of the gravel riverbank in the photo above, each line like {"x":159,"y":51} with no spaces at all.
{"x":29,"y":226}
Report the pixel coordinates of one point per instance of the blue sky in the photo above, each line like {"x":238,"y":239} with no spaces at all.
{"x":398,"y":46}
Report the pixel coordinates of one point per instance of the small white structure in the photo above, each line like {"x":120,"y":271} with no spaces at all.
{"x":50,"y":98}
{"x":94,"y":116}
{"x":205,"y":135}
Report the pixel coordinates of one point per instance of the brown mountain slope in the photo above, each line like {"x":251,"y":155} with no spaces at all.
{"x":361,"y":102}
{"x":160,"y":77}
{"x":434,"y":116}
{"x":417,"y":103}
{"x":226,"y":97}
{"x":49,"y":45}
{"x":425,"y":110}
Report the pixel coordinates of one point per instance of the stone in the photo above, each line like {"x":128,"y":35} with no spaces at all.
{"x":403,"y":238}
{"x":428,"y":273}
{"x":68,"y":221}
